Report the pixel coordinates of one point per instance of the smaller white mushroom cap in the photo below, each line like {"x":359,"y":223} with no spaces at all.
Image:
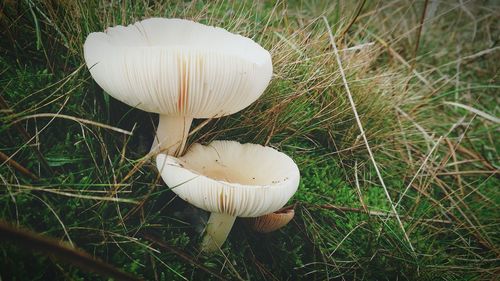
{"x":244,"y":180}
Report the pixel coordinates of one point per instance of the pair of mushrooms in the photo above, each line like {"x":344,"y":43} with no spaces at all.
{"x":184,"y":70}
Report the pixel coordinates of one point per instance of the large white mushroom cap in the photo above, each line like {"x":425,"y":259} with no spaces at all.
{"x":178,"y":67}
{"x":245,"y":180}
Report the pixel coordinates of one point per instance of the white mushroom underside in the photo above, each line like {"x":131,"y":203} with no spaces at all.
{"x":178,"y":67}
{"x":245,"y":180}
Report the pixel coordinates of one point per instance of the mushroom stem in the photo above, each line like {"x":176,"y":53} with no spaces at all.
{"x":171,"y":134}
{"x":218,"y":227}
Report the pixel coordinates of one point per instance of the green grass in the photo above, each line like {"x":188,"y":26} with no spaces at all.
{"x":95,"y":189}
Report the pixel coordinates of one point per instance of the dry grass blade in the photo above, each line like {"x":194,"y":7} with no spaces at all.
{"x":419,"y":33}
{"x":362,"y":131}
{"x":6,"y":159}
{"x":483,"y":114}
{"x":381,"y":214}
{"x":76,"y":119}
{"x":418,"y":171}
{"x":63,"y":252}
{"x":74,"y":195}
{"x":26,"y":137}
{"x":358,"y":187}
{"x":454,"y":157}
{"x":353,"y":20}
{"x":402,"y":60}
{"x":472,"y":154}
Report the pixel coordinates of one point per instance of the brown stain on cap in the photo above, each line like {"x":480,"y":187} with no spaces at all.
{"x":182,"y":100}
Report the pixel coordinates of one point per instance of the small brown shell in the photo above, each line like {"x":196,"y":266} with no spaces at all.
{"x":271,"y":222}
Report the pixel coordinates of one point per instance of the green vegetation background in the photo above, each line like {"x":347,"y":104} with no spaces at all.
{"x":424,"y":76}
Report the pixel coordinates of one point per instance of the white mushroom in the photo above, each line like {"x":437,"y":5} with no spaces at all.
{"x":230,"y":180}
{"x":179,"y":69}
